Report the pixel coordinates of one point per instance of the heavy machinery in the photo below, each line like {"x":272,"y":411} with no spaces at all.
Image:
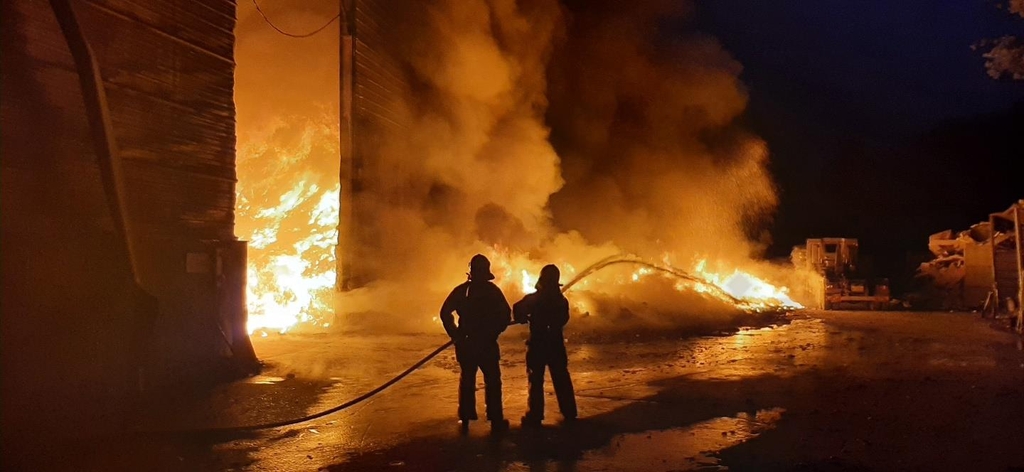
{"x":835,"y":259}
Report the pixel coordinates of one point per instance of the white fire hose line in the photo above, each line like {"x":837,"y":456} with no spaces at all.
{"x":608,"y":261}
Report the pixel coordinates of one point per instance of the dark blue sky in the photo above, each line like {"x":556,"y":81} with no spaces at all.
{"x":881,"y":120}
{"x":877,"y":67}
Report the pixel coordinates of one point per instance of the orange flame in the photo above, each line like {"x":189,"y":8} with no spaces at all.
{"x":287,"y":208}
{"x":753,"y":293}
{"x":292,"y":284}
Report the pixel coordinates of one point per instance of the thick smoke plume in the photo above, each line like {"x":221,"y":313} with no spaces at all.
{"x":644,"y":122}
{"x":483,"y":167}
{"x":538,"y":132}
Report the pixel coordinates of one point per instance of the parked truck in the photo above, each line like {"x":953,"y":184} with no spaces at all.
{"x":835,"y":259}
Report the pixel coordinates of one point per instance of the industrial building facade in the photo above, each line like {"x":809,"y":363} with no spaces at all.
{"x":76,"y":337}
{"x":373,"y":84}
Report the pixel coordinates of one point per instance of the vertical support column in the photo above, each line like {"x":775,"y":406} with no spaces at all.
{"x":995,"y":273}
{"x":230,"y":279}
{"x":346,"y":218}
{"x":1018,"y":220}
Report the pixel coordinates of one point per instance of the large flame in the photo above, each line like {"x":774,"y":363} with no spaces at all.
{"x":750,"y":292}
{"x":290,"y":218}
{"x":294,"y":287}
{"x":480,"y":111}
{"x":291,"y":221}
{"x":730,"y":285}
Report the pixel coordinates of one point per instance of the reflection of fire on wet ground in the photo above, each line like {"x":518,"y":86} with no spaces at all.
{"x":852,"y":384}
{"x":686,"y":448}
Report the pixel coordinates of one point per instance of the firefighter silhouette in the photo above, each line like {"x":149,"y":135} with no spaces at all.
{"x":483,"y":314}
{"x":547,"y":312}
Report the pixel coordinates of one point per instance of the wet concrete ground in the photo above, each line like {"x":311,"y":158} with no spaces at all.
{"x":817,"y":391}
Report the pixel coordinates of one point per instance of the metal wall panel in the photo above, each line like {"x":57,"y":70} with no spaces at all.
{"x":70,"y":334}
{"x":169,"y":74}
{"x":379,"y":87}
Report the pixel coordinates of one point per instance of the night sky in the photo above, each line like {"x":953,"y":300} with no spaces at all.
{"x":881,"y":120}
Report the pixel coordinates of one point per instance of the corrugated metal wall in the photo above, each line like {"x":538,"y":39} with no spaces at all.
{"x":379,"y":86}
{"x":168,"y":70}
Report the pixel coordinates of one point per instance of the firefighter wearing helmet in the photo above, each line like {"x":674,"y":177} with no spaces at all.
{"x":483,"y":314}
{"x":547,"y":312}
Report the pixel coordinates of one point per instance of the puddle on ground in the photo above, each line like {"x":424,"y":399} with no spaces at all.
{"x":785,"y":350}
{"x":972,"y":362}
{"x":692,"y":447}
{"x":264,"y":380}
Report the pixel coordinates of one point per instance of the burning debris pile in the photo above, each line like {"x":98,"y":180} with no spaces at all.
{"x":538,"y":132}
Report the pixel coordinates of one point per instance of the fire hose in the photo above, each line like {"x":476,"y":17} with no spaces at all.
{"x":608,"y":261}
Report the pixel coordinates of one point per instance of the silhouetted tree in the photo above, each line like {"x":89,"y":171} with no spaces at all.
{"x":1005,"y":55}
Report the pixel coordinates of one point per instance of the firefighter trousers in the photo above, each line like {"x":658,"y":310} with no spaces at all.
{"x":483,"y":356}
{"x":550,"y":355}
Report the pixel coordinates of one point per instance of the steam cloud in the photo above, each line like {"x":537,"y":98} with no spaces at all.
{"x":540,"y":132}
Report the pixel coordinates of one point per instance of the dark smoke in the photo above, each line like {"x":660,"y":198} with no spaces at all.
{"x":643,"y":119}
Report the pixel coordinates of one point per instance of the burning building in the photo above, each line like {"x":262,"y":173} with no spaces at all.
{"x":121,"y":270}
